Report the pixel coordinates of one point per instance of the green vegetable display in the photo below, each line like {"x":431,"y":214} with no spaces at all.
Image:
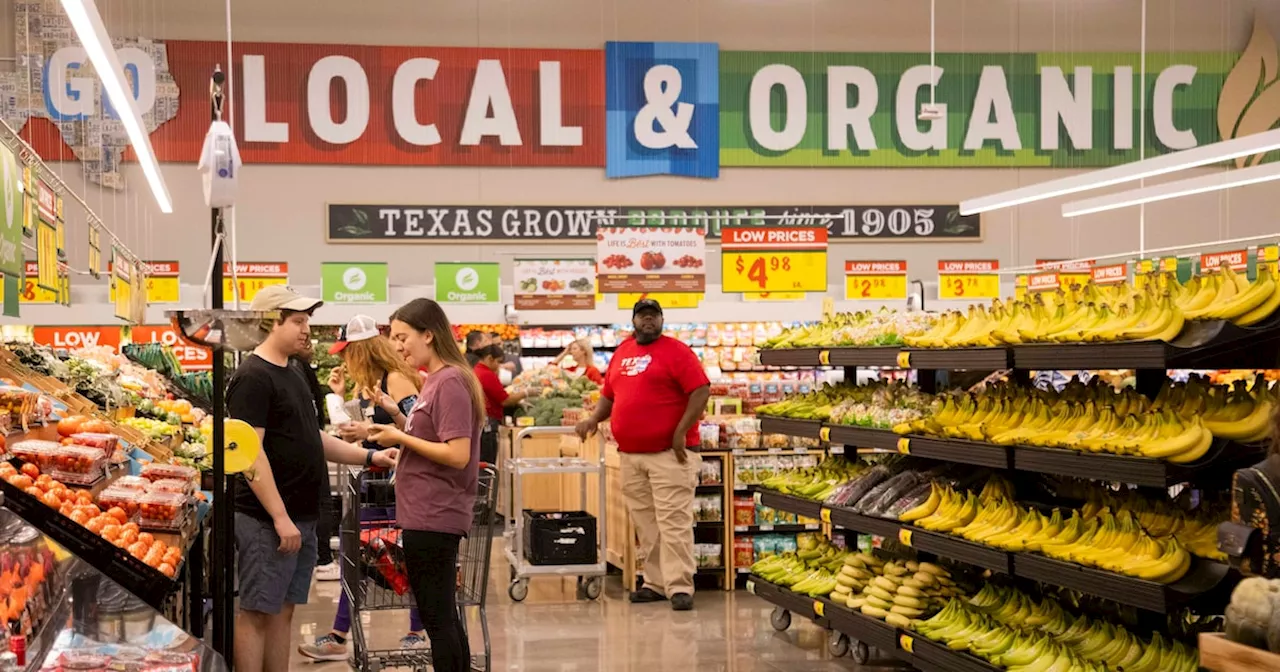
{"x":558,"y":391}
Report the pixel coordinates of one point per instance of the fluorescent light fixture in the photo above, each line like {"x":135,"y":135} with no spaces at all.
{"x":1197,"y":185}
{"x":1218,"y":152}
{"x":97,"y":44}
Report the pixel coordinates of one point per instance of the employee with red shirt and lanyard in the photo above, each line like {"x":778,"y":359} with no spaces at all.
{"x":655,"y":391}
{"x":496,"y":398}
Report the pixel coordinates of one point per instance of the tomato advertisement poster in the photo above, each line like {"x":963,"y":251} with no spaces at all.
{"x":651,"y":259}
{"x":555,"y":284}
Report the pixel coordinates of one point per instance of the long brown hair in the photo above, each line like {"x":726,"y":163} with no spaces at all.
{"x":369,"y":360}
{"x":425,"y":315}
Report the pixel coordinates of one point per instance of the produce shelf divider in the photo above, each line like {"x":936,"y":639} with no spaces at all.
{"x":1203,"y":577}
{"x":805,"y":429}
{"x":935,"y":656}
{"x":963,"y":550}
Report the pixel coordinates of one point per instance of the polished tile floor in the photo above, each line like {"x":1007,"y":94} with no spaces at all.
{"x":552,"y":632}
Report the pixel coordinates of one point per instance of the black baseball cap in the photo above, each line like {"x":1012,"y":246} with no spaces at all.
{"x":646,"y":304}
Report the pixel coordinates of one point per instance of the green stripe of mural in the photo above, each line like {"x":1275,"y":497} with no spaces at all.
{"x":1194,"y":108}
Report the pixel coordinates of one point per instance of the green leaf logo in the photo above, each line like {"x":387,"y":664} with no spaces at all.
{"x":1250,"y":99}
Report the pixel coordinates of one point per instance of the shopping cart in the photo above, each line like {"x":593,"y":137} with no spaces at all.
{"x":373,"y":572}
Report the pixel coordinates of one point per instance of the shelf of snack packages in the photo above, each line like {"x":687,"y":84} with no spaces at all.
{"x":1083,"y":503}
{"x":102,"y":459}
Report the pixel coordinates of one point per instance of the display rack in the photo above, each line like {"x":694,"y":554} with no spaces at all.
{"x":1202,"y":345}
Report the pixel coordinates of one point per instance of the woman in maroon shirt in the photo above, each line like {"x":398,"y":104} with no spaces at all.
{"x":437,"y":473}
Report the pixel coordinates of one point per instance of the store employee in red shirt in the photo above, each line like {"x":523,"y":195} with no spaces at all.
{"x":654,"y":393}
{"x":496,"y":398}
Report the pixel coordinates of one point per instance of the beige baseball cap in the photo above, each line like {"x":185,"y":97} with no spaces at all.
{"x":282,"y":297}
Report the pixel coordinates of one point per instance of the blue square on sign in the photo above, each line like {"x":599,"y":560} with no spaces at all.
{"x":662,"y":102}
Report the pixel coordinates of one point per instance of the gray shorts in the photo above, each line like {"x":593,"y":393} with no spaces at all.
{"x":268,"y":578}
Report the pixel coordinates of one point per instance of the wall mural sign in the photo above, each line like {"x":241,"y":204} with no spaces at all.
{"x":691,"y":108}
{"x":481,"y":223}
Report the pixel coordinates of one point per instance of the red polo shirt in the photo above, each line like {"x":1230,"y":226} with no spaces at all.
{"x":650,"y":386}
{"x":494,"y":393}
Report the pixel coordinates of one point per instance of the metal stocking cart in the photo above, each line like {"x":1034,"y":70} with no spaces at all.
{"x":591,"y":575}
{"x":373,"y":571}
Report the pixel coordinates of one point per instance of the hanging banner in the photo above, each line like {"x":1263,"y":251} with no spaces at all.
{"x":162,"y":282}
{"x":47,"y":256}
{"x":12,"y":295}
{"x":95,"y":251}
{"x":1110,"y":275}
{"x":875,"y":280}
{"x":250,"y":278}
{"x":555,"y":284}
{"x":482,"y":223}
{"x":11,"y":255}
{"x":669,"y":260}
{"x":354,"y":282}
{"x":192,"y":357}
{"x":30,"y":212}
{"x":121,"y":286}
{"x":965,"y":279}
{"x":31,"y":291}
{"x":474,"y":282}
{"x":773,"y":259}
{"x":74,"y":338}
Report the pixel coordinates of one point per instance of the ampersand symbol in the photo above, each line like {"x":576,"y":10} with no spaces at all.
{"x":661,"y":91}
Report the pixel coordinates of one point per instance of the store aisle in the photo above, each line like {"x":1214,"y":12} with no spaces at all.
{"x":551,"y":632}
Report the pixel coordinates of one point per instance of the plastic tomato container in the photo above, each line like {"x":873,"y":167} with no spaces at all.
{"x":177,"y":486}
{"x":79,"y":465}
{"x":155,"y":472}
{"x":161,"y":510}
{"x":131,"y":483}
{"x":39,"y":453}
{"x":107,"y":443}
{"x":125,"y":498}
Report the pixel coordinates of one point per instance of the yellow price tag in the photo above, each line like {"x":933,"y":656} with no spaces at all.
{"x":907,"y":643}
{"x":904,"y":446}
{"x":1169,"y":264}
{"x":32,"y":292}
{"x":824,"y":434}
{"x":818,"y":608}
{"x":824,"y":357}
{"x":825,"y":515}
{"x":162,"y":283}
{"x":875,"y":287}
{"x":47,"y":255}
{"x":751,"y":587}
{"x":968,"y":279}
{"x":774,"y":271}
{"x":1066,"y":280}
{"x":904,"y":359}
{"x":1269,"y":252}
{"x":904,"y":536}
{"x":123,"y":286}
{"x":249,"y":287}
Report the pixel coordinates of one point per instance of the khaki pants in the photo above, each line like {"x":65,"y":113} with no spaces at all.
{"x":659,"y":495}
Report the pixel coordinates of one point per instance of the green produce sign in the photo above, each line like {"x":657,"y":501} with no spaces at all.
{"x":353,"y":282}
{"x":467,"y":282}
{"x":11,"y":257}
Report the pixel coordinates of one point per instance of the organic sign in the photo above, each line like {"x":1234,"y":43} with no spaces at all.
{"x":354,"y":282}
{"x":555,"y":284}
{"x":11,"y":256}
{"x":473,"y":282}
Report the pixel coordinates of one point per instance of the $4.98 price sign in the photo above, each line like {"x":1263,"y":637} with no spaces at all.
{"x":875,"y":280}
{"x":773,"y":259}
{"x":968,"y":279}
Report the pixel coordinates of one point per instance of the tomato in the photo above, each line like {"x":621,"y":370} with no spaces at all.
{"x":131,"y":526}
{"x":66,"y":508}
{"x":95,"y":526}
{"x":79,"y":516}
{"x":137,"y":549}
{"x":51,"y":500}
{"x":21,"y":481}
{"x":111,"y":532}
{"x":30,"y":470}
{"x":130,"y":536}
{"x":167,"y":569}
{"x":147,"y":538}
{"x":71,"y":425}
{"x":121,"y":542}
{"x":120,"y":515}
{"x":34,"y":492}
{"x":84,"y":496}
{"x":94,"y":426}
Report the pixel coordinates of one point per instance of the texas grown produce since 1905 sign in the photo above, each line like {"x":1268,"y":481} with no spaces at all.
{"x":560,"y":223}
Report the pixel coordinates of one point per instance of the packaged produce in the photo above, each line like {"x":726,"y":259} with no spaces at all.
{"x":105,"y":442}
{"x":887,"y":491}
{"x":744,"y":511}
{"x":156,"y":471}
{"x":80,"y":465}
{"x":860,"y":485}
{"x":766,"y":515}
{"x":708,"y":555}
{"x":131,"y":483}
{"x":912,"y":499}
{"x":178,"y":486}
{"x":766,"y":545}
{"x":709,"y":436}
{"x":127,"y":499}
{"x":39,"y":453}
{"x":161,"y":510}
{"x":776,"y":441}
{"x":785,"y":543}
{"x":708,"y":508}
{"x":744,"y":551}
{"x":743,"y":433}
{"x":710,"y":472}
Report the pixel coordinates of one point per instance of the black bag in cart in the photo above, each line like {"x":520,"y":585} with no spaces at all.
{"x":559,"y":537}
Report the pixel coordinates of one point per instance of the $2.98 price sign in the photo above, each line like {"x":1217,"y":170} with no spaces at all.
{"x":875,"y":280}
{"x":773,"y":259}
{"x":968,"y":279}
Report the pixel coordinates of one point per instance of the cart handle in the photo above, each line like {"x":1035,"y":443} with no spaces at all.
{"x":530,"y":431}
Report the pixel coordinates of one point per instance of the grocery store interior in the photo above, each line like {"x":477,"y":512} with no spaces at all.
{"x":811,"y":335}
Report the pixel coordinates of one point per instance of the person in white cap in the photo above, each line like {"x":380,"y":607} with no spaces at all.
{"x":276,"y":512}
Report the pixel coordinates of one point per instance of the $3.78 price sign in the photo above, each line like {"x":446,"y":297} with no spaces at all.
{"x":775,"y":272}
{"x":968,"y":279}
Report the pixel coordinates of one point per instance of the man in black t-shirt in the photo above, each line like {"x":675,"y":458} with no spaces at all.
{"x":276,"y":513}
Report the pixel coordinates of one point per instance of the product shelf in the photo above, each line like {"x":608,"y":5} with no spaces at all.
{"x":957,"y":548}
{"x":1201,"y":345}
{"x":1144,"y":471}
{"x":800,"y":605}
{"x":955,"y":450}
{"x":895,"y":357}
{"x":791,"y":504}
{"x":804,"y":429}
{"x":779,"y":529}
{"x":930,"y":656}
{"x":862,"y":437}
{"x":849,"y":520}
{"x":870,"y":631}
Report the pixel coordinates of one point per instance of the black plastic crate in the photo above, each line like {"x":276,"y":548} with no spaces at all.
{"x":560,"y":538}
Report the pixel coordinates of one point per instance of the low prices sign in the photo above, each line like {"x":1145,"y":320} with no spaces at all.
{"x":192,"y":357}
{"x":1238,"y":260}
{"x":875,"y":280}
{"x":74,"y":338}
{"x":1044,"y":282}
{"x":968,"y":279}
{"x":1069,"y":273}
{"x":662,"y":259}
{"x":162,"y":282}
{"x":555,"y":284}
{"x":251,"y":277}
{"x":773,"y":259}
{"x":1110,"y":275}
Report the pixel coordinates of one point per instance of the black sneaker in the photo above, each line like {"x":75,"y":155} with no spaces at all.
{"x":681,"y":602}
{"x":646,"y":595}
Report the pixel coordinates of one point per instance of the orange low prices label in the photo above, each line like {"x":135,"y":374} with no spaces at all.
{"x":773,"y":259}
{"x":72,"y":338}
{"x":875,"y":280}
{"x":251,"y":277}
{"x":1069,"y":272}
{"x":968,"y":279}
{"x":1043,"y":282}
{"x":1110,"y":275}
{"x":1238,"y":260}
{"x":192,"y":357}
